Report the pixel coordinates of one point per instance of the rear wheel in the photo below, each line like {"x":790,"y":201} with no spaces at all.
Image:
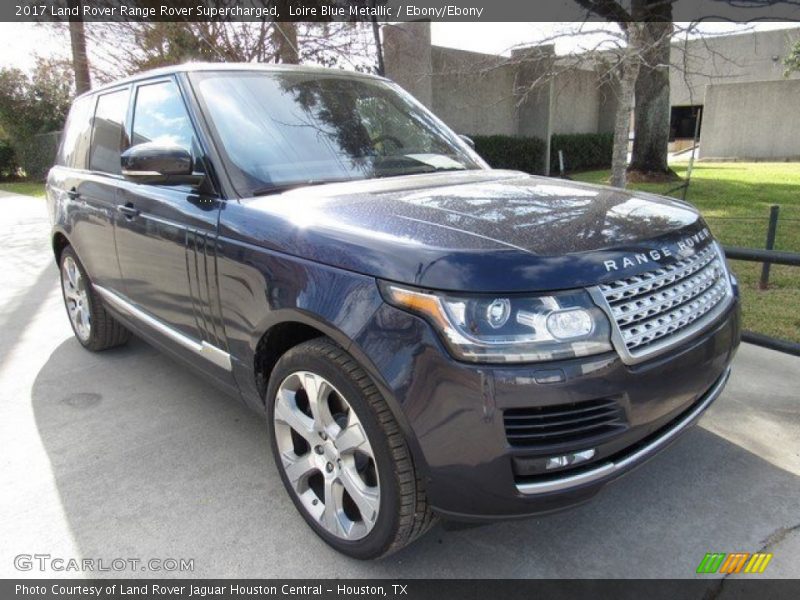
{"x":341,"y":454}
{"x":94,"y":327}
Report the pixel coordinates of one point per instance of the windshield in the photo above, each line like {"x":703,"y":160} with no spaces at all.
{"x":279,"y":130}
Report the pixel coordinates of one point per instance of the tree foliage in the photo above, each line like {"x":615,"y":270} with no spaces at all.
{"x":8,"y":163}
{"x":120,"y":49}
{"x":31,"y":107}
{"x":35,"y":103}
{"x":792,"y":62}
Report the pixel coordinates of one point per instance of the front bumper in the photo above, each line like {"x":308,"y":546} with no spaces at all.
{"x":639,"y":453}
{"x":453,"y":413}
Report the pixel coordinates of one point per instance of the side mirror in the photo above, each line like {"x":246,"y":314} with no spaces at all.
{"x":153,"y":162}
{"x":470,"y":142}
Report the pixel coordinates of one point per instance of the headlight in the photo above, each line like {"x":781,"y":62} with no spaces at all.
{"x":503,"y":329}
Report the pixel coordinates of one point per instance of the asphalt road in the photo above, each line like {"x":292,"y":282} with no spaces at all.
{"x":127,"y":454}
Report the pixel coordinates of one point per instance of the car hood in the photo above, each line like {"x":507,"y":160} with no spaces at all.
{"x":475,"y":230}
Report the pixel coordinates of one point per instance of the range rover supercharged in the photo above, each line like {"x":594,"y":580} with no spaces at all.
{"x":426,"y":337}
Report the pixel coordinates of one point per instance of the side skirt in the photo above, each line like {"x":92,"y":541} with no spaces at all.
{"x":201,"y":348}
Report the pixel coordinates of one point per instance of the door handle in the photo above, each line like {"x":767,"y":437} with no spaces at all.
{"x":129,"y":210}
{"x":73,"y":194}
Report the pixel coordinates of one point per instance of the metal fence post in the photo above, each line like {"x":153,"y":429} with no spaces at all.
{"x":771,"y":231}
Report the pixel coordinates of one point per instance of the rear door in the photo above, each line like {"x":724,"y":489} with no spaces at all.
{"x":166,"y":235}
{"x":88,"y":181}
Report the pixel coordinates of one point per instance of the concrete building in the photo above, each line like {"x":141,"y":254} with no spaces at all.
{"x":749,"y":109}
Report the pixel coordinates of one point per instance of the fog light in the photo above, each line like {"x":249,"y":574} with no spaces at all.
{"x":566,"y":324}
{"x":557,"y":462}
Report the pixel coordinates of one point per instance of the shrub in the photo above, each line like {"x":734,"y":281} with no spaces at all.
{"x":32,"y":107}
{"x":34,"y":103}
{"x":37,"y":154}
{"x":582,"y":151}
{"x":8,"y":163}
{"x":512,"y":152}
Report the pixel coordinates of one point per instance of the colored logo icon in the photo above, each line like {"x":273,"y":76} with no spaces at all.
{"x":736,"y":562}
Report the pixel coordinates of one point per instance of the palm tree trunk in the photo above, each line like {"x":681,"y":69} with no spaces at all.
{"x":80,"y":61}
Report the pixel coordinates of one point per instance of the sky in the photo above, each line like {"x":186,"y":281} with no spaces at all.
{"x":25,"y":40}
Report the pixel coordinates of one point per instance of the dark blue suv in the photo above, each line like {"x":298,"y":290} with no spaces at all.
{"x":427,"y":337}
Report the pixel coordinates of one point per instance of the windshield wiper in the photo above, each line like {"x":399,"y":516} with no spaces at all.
{"x":439,"y":169}
{"x":418,"y":170}
{"x":292,"y":185}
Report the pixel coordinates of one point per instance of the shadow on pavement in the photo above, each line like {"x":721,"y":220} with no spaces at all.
{"x":29,"y":276}
{"x":150,"y":462}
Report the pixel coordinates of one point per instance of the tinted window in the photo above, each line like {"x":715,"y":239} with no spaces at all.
{"x":77,"y":133}
{"x":109,"y":119}
{"x":160,"y":116}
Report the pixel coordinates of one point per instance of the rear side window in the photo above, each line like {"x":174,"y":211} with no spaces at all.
{"x":108,"y":131}
{"x":160,"y":116}
{"x":77,"y":133}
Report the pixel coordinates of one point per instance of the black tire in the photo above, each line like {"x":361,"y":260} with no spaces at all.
{"x":105,"y":331}
{"x":404,"y":513}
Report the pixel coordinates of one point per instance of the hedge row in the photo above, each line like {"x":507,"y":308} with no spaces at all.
{"x":512,"y":152}
{"x":8,"y":163}
{"x":581,"y":151}
{"x":38,"y":154}
{"x":33,"y":157}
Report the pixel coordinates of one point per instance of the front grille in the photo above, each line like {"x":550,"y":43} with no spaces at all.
{"x":649,"y":309}
{"x":552,"y":426}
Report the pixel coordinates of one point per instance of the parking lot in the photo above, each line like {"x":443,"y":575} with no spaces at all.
{"x":127,"y":454}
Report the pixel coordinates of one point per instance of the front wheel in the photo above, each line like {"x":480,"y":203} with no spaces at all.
{"x":94,"y":327}
{"x":341,"y":455}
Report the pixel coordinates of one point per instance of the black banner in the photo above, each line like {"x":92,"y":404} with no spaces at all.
{"x":382,"y":10}
{"x":379,"y":589}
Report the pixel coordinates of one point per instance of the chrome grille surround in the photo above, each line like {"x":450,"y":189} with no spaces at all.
{"x":655,"y":311}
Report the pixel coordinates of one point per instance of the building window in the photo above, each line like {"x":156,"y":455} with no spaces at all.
{"x":683,"y":120}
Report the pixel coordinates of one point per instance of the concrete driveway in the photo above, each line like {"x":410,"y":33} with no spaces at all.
{"x":127,"y":454}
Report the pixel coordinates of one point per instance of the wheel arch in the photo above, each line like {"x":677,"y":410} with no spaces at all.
{"x":295,"y":327}
{"x":59,"y":242}
{"x":274,"y":343}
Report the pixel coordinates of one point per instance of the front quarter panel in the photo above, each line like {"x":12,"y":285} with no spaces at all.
{"x":261,"y":288}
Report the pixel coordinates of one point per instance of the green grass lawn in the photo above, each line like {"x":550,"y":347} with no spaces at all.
{"x":28,"y":188}
{"x":735,"y":199}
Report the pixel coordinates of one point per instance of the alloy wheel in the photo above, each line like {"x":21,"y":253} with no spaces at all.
{"x":76,"y":298}
{"x":326,"y":455}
